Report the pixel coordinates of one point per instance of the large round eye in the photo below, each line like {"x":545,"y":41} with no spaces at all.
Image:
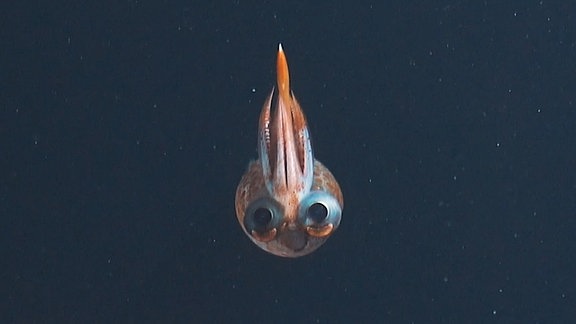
{"x":262,"y":216}
{"x":320,"y":213}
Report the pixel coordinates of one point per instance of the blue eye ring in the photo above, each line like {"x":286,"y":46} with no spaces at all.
{"x":319,"y":209}
{"x":263,"y":215}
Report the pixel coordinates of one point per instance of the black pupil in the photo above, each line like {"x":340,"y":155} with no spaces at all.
{"x":317,"y":212}
{"x":262,"y":217}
